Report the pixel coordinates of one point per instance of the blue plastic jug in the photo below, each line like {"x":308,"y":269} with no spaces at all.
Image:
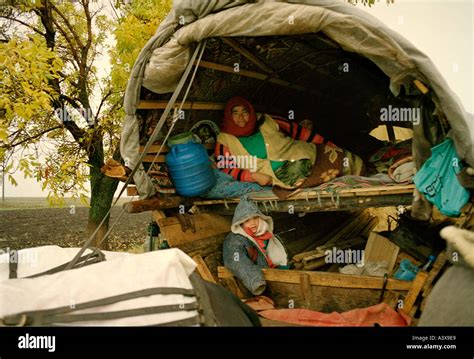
{"x":189,"y":167}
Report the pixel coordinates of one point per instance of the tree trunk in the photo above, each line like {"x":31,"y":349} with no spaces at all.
{"x":102,"y":194}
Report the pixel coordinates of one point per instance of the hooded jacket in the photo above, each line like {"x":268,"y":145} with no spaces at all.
{"x":275,"y":249}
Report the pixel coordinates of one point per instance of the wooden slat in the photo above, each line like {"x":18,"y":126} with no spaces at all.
{"x":327,"y":279}
{"x":203,"y":270}
{"x":187,"y":105}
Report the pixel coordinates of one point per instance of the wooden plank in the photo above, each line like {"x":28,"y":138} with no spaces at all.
{"x":414,"y":291}
{"x":380,"y":249}
{"x":188,"y":105}
{"x":327,"y":279}
{"x":203,"y":270}
{"x":206,"y":224}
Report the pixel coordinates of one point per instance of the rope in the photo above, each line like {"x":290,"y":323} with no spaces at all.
{"x":199,"y":49}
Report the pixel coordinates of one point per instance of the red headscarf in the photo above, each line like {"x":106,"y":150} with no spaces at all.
{"x":229,"y":126}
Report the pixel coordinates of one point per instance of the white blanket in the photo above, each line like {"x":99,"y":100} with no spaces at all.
{"x":123,"y":274}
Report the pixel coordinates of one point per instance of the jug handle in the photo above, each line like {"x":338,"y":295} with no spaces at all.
{"x":173,"y":150}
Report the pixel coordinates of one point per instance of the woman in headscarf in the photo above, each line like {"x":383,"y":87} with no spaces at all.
{"x":287,"y":154}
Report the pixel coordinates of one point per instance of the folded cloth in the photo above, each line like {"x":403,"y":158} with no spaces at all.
{"x":403,"y":170}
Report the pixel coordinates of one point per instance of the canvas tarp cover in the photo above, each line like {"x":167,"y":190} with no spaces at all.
{"x":163,"y":59}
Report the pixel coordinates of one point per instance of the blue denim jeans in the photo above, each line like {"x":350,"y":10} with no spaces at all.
{"x":237,"y":260}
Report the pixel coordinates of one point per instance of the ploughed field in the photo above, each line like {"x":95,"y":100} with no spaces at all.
{"x":30,"y":222}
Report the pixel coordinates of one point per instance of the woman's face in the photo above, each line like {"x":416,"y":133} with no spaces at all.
{"x":240,"y":115}
{"x":251,"y":224}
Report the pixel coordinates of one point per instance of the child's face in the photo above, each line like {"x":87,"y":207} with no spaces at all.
{"x":251,"y":224}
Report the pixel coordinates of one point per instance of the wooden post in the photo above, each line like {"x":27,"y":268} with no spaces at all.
{"x":413,"y":293}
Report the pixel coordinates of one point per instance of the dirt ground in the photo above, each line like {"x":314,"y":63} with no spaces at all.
{"x":31,"y":223}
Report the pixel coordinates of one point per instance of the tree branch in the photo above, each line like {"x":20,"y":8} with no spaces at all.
{"x":68,"y":25}
{"x":69,"y":41}
{"x":101,"y":104}
{"x":33,"y":137}
{"x":25,"y":24}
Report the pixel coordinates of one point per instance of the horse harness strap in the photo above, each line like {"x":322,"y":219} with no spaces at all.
{"x":83,"y":261}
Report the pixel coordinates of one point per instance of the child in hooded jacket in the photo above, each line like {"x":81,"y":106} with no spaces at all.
{"x":251,"y":246}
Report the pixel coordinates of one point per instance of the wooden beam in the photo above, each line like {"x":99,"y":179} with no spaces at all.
{"x":188,"y":105}
{"x":327,"y":279}
{"x":247,"y":54}
{"x":414,"y":291}
{"x":252,"y":74}
{"x":144,"y":205}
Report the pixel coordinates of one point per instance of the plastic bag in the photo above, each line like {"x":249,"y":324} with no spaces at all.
{"x":438,"y":182}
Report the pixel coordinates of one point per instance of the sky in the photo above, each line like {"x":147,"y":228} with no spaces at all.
{"x":442,"y":29}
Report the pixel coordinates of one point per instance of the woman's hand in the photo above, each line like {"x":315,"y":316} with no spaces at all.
{"x":262,"y":179}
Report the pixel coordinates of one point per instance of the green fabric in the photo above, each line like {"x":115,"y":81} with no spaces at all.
{"x":291,"y":172}
{"x":255,"y":146}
